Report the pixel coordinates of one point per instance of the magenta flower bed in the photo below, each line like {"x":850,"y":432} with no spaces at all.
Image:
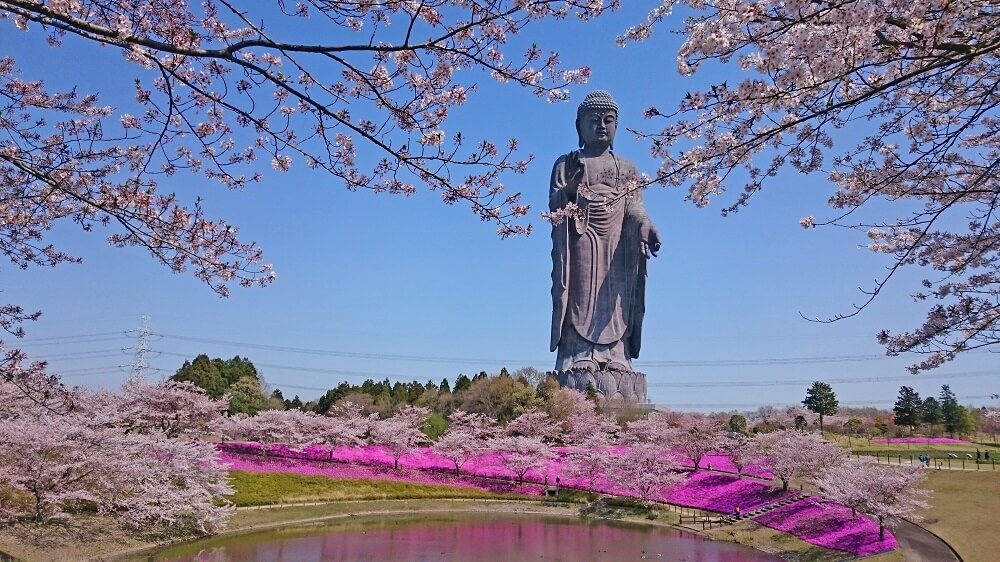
{"x":828,"y":525}
{"x":721,"y":463}
{"x":723,"y":494}
{"x":921,"y":440}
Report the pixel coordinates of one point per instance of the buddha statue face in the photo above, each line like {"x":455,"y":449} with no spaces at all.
{"x":597,"y":128}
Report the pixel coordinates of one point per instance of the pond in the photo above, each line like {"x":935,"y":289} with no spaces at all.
{"x":454,"y":537}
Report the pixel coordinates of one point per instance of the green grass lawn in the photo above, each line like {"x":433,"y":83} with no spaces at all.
{"x":964,"y":510}
{"x":905,"y":451}
{"x":255,"y":488}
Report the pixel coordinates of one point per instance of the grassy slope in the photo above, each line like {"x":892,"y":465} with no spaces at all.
{"x":276,"y":488}
{"x":964,"y":509}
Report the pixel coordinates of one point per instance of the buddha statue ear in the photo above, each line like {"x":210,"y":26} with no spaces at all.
{"x":579,"y":136}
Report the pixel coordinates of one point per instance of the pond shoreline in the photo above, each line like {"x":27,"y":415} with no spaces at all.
{"x":114,"y":547}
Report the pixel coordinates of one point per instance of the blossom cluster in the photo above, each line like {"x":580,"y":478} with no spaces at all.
{"x":886,"y":101}
{"x":121,"y":455}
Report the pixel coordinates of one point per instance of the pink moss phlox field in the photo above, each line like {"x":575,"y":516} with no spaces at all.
{"x":921,"y":440}
{"x":721,"y":463}
{"x":723,"y":493}
{"x":828,"y":525}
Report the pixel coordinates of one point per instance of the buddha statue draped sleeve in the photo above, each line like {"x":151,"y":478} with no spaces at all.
{"x":598,"y":267}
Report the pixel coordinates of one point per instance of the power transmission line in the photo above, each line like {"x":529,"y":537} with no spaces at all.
{"x":353,"y":354}
{"x":351,"y":373}
{"x":868,"y":379}
{"x":61,"y":338}
{"x":37,"y":343}
{"x":537,"y":362}
{"x":758,"y":404}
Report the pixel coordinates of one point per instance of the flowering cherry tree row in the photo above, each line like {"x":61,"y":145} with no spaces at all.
{"x":123,"y":456}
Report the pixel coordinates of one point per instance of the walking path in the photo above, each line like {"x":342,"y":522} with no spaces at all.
{"x":920,"y":545}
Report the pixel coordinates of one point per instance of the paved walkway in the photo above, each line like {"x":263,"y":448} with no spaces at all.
{"x":920,"y":545}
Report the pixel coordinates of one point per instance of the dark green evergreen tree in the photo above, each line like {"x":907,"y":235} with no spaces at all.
{"x":908,"y":408}
{"x":820,"y":399}
{"x":204,"y":373}
{"x":738,"y":424}
{"x":462,"y":383}
{"x":931,"y":412}
{"x":235,"y":369}
{"x":951,"y":411}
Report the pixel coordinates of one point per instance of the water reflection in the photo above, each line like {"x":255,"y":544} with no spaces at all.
{"x":463,"y":537}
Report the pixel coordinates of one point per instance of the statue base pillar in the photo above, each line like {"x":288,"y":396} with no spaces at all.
{"x":615,"y":386}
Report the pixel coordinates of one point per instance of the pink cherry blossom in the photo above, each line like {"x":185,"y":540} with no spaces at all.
{"x":886,"y":101}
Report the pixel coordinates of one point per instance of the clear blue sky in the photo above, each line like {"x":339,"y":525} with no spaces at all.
{"x":376,"y":286}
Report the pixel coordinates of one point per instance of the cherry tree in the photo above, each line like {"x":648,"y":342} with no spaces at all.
{"x":228,"y":90}
{"x":917,"y":77}
{"x":658,"y":427}
{"x":583,"y":420}
{"x":990,"y":423}
{"x":887,"y":493}
{"x":791,"y":454}
{"x":172,"y":407}
{"x":25,"y":383}
{"x":520,"y":454}
{"x":65,"y":461}
{"x":590,"y":459}
{"x":476,"y":424}
{"x":646,"y":471}
{"x":293,"y":427}
{"x":177,"y":485}
{"x":58,"y":461}
{"x":347,"y":424}
{"x":459,"y":447}
{"x":401,"y":433}
{"x":466,"y":437}
{"x":741,"y":449}
{"x":236,"y":427}
{"x":697,"y":436}
{"x":534,"y":423}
